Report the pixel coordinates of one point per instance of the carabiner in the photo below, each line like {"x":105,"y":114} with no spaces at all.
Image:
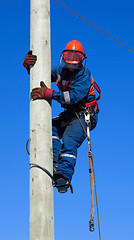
{"x":91,"y":225}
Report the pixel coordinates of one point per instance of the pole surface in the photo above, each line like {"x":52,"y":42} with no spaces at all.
{"x":41,"y":216}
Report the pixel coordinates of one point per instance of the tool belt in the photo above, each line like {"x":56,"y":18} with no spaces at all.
{"x":69,"y":115}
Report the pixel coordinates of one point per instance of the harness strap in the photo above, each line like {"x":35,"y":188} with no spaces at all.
{"x":97,"y":88}
{"x":94,"y":84}
{"x":93,"y":103}
{"x":60,"y":79}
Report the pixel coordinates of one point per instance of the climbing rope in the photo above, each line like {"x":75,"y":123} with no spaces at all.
{"x":92,"y":181}
{"x":91,"y":222}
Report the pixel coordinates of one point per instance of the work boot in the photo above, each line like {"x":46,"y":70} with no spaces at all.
{"x":55,"y":166}
{"x":61,"y":182}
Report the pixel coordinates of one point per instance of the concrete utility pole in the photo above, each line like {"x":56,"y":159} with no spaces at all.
{"x":41,"y":220}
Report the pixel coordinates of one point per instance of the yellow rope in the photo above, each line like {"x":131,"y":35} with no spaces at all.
{"x":93,"y":173}
{"x":91,"y":187}
{"x":94,"y":26}
{"x":96,"y":199}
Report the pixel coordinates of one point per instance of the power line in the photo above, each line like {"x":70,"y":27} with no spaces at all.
{"x":94,"y":26}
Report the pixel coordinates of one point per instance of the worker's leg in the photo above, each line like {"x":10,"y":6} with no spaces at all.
{"x":56,"y":136}
{"x":73,"y":137}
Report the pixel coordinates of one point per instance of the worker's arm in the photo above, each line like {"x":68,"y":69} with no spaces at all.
{"x":79,"y":89}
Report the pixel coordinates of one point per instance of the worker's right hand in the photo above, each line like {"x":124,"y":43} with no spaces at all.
{"x":29,"y":60}
{"x":42,"y":93}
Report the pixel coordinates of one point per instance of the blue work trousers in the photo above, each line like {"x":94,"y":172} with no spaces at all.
{"x":65,"y":152}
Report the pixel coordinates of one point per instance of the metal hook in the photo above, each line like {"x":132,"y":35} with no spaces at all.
{"x":91,"y":225}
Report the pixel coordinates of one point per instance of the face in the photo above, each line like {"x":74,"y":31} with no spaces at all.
{"x":72,"y":60}
{"x":72,"y":67}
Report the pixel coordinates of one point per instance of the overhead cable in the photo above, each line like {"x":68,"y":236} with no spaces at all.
{"x":94,"y":26}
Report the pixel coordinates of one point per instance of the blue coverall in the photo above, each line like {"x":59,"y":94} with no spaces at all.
{"x":74,"y":89}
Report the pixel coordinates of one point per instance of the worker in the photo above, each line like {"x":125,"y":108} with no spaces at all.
{"x":76,"y":95}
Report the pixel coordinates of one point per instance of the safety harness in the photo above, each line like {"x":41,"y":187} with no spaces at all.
{"x":94,"y":103}
{"x":66,"y":86}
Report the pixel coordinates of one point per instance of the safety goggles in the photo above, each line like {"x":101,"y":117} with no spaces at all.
{"x":72,"y":59}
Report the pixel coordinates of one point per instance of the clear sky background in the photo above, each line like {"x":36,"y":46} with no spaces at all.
{"x":112,"y":67}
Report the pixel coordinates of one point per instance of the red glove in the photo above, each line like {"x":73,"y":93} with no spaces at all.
{"x":42,"y":93}
{"x":29,"y":60}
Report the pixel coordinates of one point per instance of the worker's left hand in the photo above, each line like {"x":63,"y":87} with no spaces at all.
{"x":29,"y":60}
{"x":42,"y":93}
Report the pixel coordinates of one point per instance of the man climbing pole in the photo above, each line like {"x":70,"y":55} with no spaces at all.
{"x":77,"y":96}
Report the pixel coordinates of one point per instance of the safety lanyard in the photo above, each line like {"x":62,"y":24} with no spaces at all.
{"x":90,"y":162}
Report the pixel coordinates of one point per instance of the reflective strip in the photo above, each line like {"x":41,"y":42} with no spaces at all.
{"x":91,"y":77}
{"x":67,"y":97}
{"x":68,"y":155}
{"x":58,"y":77}
{"x":55,"y":137}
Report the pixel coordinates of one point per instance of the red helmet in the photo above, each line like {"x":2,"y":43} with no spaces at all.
{"x":73,"y":55}
{"x":75,"y":45}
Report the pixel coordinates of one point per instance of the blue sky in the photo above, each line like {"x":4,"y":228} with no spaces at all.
{"x":112,"y":67}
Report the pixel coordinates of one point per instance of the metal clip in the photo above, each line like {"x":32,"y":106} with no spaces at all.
{"x":91,"y":225}
{"x":87,"y":117}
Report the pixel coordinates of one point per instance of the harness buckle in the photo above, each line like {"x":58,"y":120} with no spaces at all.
{"x":91,"y":225}
{"x":87,"y":117}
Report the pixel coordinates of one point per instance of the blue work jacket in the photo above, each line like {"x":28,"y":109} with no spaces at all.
{"x":78,"y":88}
